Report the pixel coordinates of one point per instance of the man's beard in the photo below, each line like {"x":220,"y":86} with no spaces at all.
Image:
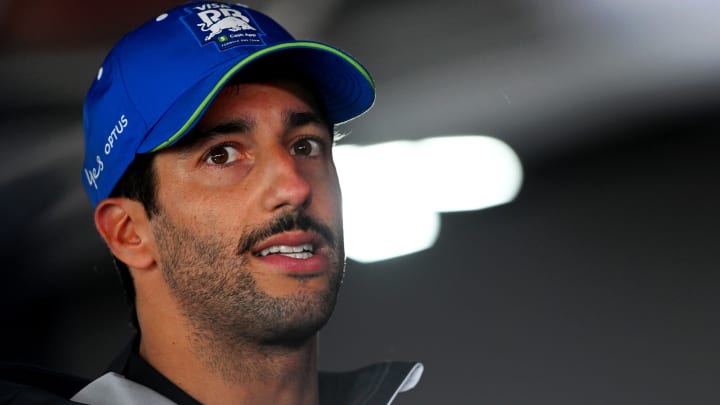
{"x":211,"y":279}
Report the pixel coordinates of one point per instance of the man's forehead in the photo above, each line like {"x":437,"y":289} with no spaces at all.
{"x":308,"y":111}
{"x":274,"y":88}
{"x":302,"y":88}
{"x":222,"y":117}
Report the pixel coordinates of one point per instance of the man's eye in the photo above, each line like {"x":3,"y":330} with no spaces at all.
{"x":221,"y":155}
{"x":306,"y":147}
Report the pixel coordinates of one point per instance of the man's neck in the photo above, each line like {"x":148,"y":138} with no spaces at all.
{"x":213,"y":373}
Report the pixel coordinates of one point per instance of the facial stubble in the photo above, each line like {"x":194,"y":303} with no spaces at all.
{"x":210,"y":277}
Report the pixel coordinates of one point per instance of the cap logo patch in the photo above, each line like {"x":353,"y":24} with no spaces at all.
{"x":223,"y":25}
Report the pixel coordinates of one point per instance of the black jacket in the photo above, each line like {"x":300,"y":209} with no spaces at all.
{"x":27,"y":385}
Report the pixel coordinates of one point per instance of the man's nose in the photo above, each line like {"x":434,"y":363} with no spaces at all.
{"x":286,"y":185}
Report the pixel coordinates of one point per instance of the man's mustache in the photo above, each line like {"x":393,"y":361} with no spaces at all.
{"x":298,"y":220}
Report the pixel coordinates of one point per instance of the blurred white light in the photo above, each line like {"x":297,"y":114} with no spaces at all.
{"x":393,"y":192}
{"x":466,"y":173}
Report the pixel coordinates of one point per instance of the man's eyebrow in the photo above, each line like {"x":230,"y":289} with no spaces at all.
{"x":198,"y":135}
{"x":294,"y":119}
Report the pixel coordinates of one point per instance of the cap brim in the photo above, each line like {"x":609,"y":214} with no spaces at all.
{"x":343,"y":85}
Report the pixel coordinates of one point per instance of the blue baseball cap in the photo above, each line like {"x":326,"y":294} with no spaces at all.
{"x":159,"y":79}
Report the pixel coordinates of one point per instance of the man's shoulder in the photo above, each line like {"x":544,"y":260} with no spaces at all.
{"x":29,"y":384}
{"x":375,"y":384}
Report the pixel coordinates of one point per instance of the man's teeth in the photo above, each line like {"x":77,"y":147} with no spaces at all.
{"x":304,"y":251}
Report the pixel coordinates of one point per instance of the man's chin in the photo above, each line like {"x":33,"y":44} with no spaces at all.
{"x":293,"y":336}
{"x":301,"y":323}
{"x":296,"y":286}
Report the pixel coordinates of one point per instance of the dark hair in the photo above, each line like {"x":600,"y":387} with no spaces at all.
{"x":139,"y":181}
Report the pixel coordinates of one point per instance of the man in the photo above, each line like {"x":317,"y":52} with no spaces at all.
{"x":209,"y":134}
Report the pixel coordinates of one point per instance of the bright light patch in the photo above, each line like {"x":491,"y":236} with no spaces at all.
{"x":393,"y":192}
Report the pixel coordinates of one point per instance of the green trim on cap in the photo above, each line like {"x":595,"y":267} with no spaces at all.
{"x":306,"y":45}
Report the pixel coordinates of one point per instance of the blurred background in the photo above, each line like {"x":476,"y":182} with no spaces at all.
{"x":597,"y":284}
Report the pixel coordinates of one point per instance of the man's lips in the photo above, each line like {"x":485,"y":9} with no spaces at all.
{"x":293,"y":244}
{"x":300,"y":253}
{"x":304,"y":251}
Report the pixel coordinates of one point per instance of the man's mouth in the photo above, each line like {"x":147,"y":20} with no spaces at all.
{"x":304,"y":251}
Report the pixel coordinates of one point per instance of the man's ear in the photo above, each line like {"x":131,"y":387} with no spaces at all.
{"x":125,"y":227}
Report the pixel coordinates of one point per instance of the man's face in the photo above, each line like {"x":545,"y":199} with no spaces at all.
{"x":249,"y":233}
